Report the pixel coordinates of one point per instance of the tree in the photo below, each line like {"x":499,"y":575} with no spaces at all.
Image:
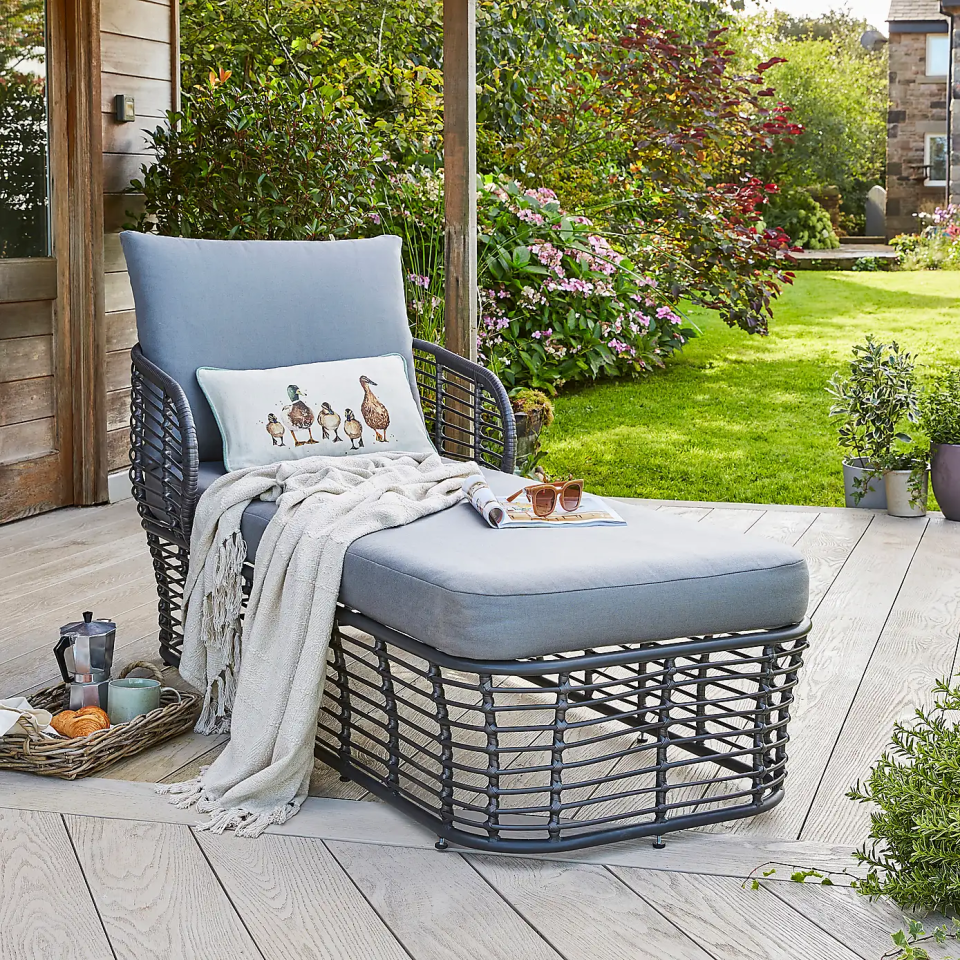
{"x":836,"y":90}
{"x":658,"y":134}
{"x":387,"y":55}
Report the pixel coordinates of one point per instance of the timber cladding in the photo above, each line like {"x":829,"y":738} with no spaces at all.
{"x":139,"y":54}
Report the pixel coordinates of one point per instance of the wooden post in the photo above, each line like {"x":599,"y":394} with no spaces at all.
{"x":84,"y":183}
{"x":460,"y":175}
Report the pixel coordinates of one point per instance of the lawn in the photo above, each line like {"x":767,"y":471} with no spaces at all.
{"x":744,"y":419}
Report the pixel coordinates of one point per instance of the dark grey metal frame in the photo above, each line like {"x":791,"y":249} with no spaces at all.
{"x":542,"y":754}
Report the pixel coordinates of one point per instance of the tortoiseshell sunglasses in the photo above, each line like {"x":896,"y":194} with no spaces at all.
{"x":547,"y":497}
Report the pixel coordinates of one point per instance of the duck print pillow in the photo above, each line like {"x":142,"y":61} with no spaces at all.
{"x":314,"y":409}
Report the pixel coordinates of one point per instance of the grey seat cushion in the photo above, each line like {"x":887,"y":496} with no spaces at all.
{"x":260,"y":303}
{"x":461,"y":587}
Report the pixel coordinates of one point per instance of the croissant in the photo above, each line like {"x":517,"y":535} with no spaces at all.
{"x":83,"y":726}
{"x":61,"y":721}
{"x":80,"y":723}
{"x":95,"y":712}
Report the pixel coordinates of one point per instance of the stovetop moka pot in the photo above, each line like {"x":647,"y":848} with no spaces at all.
{"x":85,"y":656}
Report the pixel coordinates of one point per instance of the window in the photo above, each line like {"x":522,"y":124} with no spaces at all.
{"x":935,"y":159}
{"x":938,"y":54}
{"x":23,"y":131}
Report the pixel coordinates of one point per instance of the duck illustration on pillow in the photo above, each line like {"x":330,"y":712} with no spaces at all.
{"x":297,"y":415}
{"x":376,"y":415}
{"x":276,"y":430}
{"x":329,"y":421}
{"x":353,"y":429}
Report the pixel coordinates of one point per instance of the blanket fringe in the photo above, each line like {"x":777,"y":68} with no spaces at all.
{"x":191,"y":793}
{"x":227,"y":596}
{"x":185,"y":794}
{"x":221,"y":629}
{"x":217,"y":705}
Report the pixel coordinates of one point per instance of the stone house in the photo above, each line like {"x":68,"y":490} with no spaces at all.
{"x":917,"y":121}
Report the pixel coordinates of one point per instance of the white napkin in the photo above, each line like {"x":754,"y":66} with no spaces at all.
{"x":18,"y":718}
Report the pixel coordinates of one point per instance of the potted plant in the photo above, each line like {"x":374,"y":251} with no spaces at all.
{"x":905,"y":471}
{"x":877,"y":393}
{"x":533,"y":411}
{"x":940,"y":417}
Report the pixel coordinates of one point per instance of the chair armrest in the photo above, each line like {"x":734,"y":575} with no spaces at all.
{"x":466,"y":408}
{"x":163,"y":456}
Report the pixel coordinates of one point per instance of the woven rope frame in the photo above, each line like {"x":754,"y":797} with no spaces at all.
{"x":546,"y":754}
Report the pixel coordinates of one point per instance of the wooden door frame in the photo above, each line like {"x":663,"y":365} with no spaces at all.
{"x":78,"y":240}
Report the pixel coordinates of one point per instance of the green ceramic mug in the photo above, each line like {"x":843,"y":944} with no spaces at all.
{"x":129,"y":697}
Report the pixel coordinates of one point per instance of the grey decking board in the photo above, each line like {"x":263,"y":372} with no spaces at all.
{"x":827,"y":545}
{"x":733,"y":521}
{"x":32,"y":623}
{"x":45,"y":908}
{"x":437,"y":906}
{"x":296,"y":900}
{"x":586,"y":911}
{"x":917,"y":646}
{"x":733,"y":923}
{"x":58,"y":525}
{"x":847,"y":628}
{"x":165,"y":759}
{"x":63,"y":555}
{"x":784,"y":526}
{"x":157,"y":895}
{"x":63,"y":584}
{"x":863,"y":925}
{"x":688,"y":852}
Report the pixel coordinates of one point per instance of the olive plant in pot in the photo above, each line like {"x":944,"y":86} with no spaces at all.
{"x":533,"y":411}
{"x":876,"y":394}
{"x":905,"y":470}
{"x":940,"y":418}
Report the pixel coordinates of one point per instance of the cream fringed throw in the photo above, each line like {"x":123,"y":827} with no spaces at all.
{"x":271,"y":700}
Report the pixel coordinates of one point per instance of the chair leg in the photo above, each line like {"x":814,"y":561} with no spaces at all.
{"x":170,"y":565}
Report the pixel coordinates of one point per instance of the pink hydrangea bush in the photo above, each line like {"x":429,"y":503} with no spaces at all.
{"x":558,"y":302}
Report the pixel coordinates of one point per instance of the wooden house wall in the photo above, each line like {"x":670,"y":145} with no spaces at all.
{"x":27,"y":360}
{"x":139,"y":55}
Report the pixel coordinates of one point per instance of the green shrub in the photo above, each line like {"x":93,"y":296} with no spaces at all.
{"x":940,"y":409}
{"x":803,"y":220}
{"x":278,"y":160}
{"x":411,"y":207}
{"x":930,"y":253}
{"x":534,"y":403}
{"x":906,"y":242}
{"x":558,"y":302}
{"x":913,"y":852}
{"x":877,"y":394}
{"x":937,"y":246}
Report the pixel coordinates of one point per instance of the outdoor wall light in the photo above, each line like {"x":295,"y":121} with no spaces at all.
{"x":126,"y":108}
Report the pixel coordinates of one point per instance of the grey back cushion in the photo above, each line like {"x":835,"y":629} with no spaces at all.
{"x":246,"y":304}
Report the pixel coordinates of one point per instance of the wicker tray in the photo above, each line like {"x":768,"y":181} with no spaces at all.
{"x":85,"y":756}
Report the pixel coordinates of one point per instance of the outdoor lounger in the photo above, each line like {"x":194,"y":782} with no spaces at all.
{"x":518,"y":691}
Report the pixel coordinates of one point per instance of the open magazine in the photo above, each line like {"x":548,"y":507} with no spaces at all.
{"x":592,"y":512}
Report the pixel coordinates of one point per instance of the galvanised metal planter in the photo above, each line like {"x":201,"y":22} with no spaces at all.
{"x":899,"y":494}
{"x":945,"y":474}
{"x":876,"y":496}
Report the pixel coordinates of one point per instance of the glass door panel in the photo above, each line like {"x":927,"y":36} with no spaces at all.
{"x":24,"y":177}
